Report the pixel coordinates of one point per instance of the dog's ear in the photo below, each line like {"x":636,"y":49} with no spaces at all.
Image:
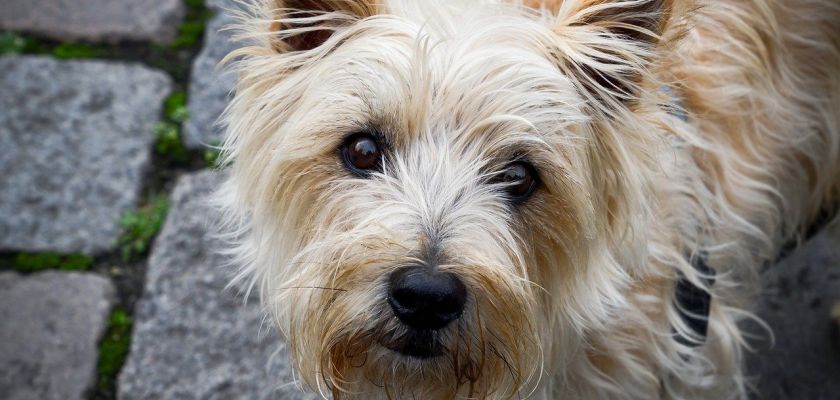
{"x":301,"y":25}
{"x":609,"y":44}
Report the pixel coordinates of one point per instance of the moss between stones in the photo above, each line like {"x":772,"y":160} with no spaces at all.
{"x":77,"y":50}
{"x":168,"y":131}
{"x":192,"y":29}
{"x":33,"y":262}
{"x":113,"y":349}
{"x":175,"y":107}
{"x":169,"y":141}
{"x":12,"y":43}
{"x":140,"y":227}
{"x":211,"y":156}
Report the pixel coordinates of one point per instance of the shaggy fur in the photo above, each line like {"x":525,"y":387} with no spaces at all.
{"x":662,"y":131}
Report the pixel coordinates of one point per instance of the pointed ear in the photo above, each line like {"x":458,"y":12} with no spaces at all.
{"x":609,"y":44}
{"x":640,"y":20}
{"x":302,"y":25}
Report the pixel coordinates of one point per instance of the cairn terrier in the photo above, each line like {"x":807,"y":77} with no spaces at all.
{"x":492,"y":199}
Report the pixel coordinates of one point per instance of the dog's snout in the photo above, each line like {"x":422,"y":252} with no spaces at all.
{"x":426,"y":299}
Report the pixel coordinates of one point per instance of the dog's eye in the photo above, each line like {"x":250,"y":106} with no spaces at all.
{"x":361,"y":153}
{"x":519,"y":180}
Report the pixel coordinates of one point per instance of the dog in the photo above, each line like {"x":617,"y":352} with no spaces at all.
{"x":525,"y":199}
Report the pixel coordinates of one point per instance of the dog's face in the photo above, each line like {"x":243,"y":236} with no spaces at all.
{"x":430,"y":209}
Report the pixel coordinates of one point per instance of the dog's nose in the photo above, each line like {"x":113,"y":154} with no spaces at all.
{"x":425,"y":299}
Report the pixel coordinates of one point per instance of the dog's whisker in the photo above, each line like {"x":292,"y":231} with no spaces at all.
{"x":312,"y":287}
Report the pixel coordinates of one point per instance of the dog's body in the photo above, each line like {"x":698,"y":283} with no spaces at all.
{"x":655,"y":137}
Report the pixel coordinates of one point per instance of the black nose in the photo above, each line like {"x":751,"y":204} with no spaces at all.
{"x":426,"y":299}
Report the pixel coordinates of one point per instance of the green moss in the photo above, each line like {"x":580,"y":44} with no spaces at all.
{"x":11,"y":43}
{"x":140,"y":227}
{"x":75,"y":262}
{"x":33,"y":262}
{"x":211,"y":157}
{"x":176,"y":107}
{"x":169,"y":141}
{"x":211,"y":154}
{"x":168,"y":132}
{"x":76,"y":50}
{"x":37,"y":262}
{"x":113,"y":349}
{"x":195,"y":21}
{"x":189,"y":34}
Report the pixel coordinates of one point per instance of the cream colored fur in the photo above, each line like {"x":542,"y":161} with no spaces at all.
{"x":571,"y":293}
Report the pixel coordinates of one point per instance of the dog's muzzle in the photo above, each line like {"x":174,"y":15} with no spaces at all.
{"x":425,"y":299}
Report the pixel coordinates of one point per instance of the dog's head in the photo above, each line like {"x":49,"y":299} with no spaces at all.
{"x":438,"y":196}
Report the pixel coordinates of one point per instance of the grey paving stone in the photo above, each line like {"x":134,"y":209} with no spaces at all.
{"x":210,"y":87}
{"x":804,"y":362}
{"x":221,"y":5}
{"x":51,"y":325}
{"x":75,"y":139}
{"x":194,"y":339}
{"x":95,"y":20}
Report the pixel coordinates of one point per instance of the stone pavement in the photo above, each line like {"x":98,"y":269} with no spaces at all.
{"x":194,"y":339}
{"x":95,"y":20}
{"x":211,"y":87}
{"x":804,"y":361}
{"x":51,"y":324}
{"x":75,"y":140}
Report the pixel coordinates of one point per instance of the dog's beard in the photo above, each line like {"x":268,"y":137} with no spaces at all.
{"x":345,"y":339}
